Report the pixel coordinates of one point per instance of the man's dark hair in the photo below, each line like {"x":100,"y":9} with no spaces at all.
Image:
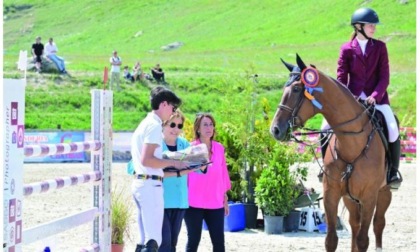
{"x":161,"y":94}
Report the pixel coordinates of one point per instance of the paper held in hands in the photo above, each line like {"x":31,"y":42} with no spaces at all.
{"x":196,"y":155}
{"x":193,"y":154}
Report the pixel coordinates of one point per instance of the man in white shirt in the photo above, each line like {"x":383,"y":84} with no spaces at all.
{"x":146,"y":151}
{"x":115,"y":70}
{"x":51,"y":52}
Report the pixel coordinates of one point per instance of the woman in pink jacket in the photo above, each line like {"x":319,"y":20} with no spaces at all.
{"x":364,"y":68}
{"x":207,"y":192}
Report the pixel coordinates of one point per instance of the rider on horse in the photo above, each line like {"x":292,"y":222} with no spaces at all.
{"x":363,"y":67}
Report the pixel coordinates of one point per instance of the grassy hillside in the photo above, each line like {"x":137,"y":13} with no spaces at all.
{"x":222,"y":40}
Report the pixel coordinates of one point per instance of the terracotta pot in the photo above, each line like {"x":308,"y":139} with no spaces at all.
{"x":117,"y":247}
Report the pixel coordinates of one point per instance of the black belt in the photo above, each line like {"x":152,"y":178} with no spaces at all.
{"x":152,"y":177}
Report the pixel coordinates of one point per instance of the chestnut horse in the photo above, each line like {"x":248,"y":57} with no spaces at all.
{"x":354,"y":164}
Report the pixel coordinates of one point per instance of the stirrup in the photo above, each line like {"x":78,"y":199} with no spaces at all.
{"x":395,"y":183}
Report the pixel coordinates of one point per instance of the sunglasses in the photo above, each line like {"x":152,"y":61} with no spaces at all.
{"x":173,"y":125}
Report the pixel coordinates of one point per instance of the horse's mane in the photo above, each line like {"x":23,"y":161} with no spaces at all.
{"x":343,"y":87}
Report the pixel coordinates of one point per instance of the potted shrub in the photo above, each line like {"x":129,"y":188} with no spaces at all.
{"x":247,"y":143}
{"x":275,"y":192}
{"x":120,"y":217}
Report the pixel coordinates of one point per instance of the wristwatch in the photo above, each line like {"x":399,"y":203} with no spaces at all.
{"x":178,"y":174}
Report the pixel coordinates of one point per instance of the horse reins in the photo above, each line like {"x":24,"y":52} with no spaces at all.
{"x":349,"y":165}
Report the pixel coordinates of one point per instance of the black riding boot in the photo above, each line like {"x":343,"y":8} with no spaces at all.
{"x":151,"y":246}
{"x":395,"y":150}
{"x":139,"y":248}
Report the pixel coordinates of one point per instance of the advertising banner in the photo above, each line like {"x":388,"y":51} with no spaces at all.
{"x":32,"y":138}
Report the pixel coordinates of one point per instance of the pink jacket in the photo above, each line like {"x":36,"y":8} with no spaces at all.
{"x":207,"y":190}
{"x":368,"y":73}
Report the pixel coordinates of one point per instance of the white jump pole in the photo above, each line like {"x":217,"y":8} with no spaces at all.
{"x":101,"y":160}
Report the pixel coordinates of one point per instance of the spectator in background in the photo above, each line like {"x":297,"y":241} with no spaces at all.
{"x":207,"y":193}
{"x":115,"y":70}
{"x":137,"y":71}
{"x":158,"y":74}
{"x":51,"y":52}
{"x":127,"y":75}
{"x":37,"y":52}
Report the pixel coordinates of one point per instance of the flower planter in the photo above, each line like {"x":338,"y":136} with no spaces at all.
{"x":273,"y":224}
{"x":251,"y":214}
{"x":291,"y":221}
{"x":117,"y":247}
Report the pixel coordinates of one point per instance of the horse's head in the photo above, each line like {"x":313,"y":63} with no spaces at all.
{"x":294,"y":109}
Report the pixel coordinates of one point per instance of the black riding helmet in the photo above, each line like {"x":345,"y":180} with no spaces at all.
{"x":364,"y":16}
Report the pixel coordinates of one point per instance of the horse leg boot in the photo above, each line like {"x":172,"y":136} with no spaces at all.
{"x":395,"y":149}
{"x":151,"y":246}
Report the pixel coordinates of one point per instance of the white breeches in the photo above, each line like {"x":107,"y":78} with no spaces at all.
{"x":148,"y":196}
{"x":390,"y":120}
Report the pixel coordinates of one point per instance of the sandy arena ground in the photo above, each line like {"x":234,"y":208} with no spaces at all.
{"x":399,"y":233}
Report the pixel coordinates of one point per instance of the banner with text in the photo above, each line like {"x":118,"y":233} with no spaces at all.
{"x":32,"y":138}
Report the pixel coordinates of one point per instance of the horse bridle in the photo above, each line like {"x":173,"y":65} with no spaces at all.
{"x":294,"y":118}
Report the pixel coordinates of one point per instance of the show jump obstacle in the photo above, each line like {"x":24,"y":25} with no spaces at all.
{"x":14,"y":189}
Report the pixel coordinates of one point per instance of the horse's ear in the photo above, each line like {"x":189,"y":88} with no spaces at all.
{"x":300,"y":63}
{"x":289,"y":66}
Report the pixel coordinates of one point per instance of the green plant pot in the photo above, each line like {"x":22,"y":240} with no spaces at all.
{"x":273,"y":224}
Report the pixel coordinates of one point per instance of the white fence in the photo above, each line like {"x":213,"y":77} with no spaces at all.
{"x":14,"y":190}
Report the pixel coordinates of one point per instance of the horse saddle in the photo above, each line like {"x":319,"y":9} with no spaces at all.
{"x":379,"y":122}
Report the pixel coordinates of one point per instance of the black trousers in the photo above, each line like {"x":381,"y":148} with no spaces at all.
{"x":214,"y":218}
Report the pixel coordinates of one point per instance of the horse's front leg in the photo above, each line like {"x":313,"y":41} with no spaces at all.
{"x":354,"y":220}
{"x":366,"y":213}
{"x":384,"y":200}
{"x":331,"y":200}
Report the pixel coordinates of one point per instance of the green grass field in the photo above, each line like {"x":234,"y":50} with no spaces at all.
{"x":224,"y":43}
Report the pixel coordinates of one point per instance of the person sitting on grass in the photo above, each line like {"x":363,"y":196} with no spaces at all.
{"x":127,"y":75}
{"x":137,"y":71}
{"x":158,"y":73}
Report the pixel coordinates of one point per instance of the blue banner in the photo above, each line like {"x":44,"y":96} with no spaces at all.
{"x":33,"y":138}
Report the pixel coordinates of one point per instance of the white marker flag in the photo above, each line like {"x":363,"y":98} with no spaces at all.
{"x":23,"y":58}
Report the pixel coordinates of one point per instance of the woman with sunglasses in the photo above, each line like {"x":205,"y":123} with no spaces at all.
{"x":207,"y":192}
{"x":175,"y":191}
